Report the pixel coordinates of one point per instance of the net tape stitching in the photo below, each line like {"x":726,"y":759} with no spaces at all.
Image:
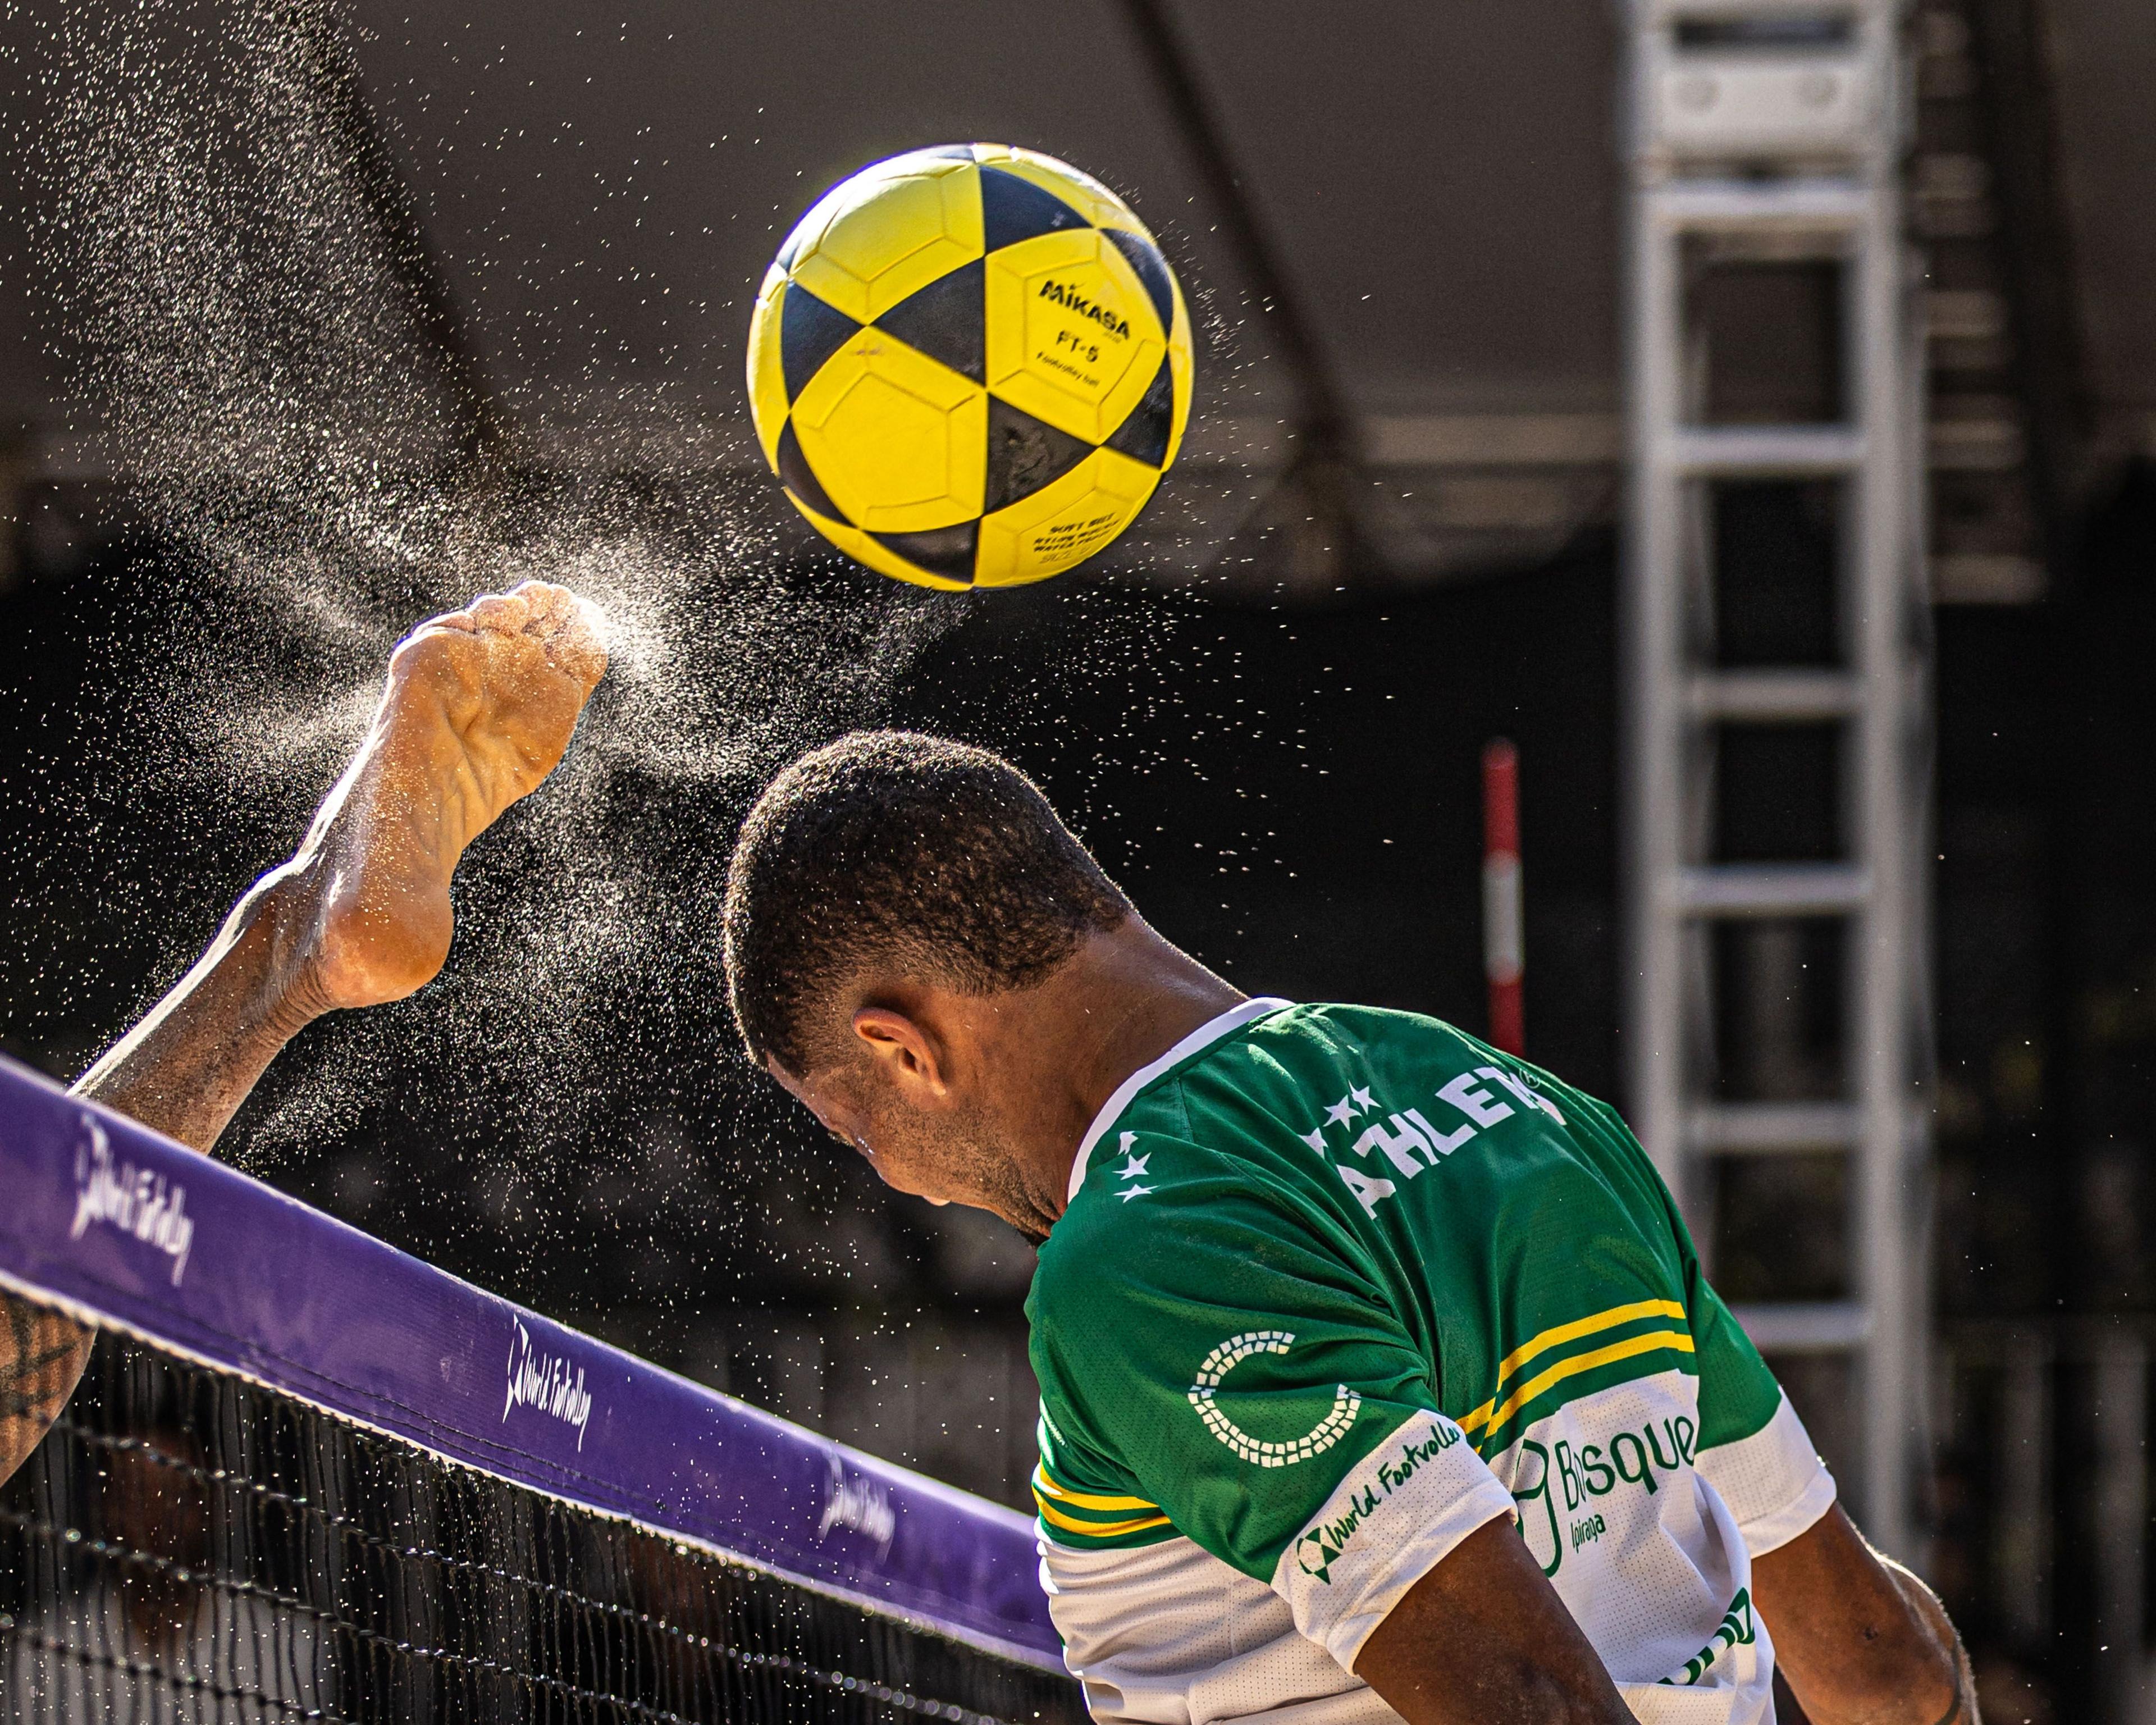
{"x":781,"y":1664}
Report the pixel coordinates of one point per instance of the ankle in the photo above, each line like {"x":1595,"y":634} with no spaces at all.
{"x":275,"y":933}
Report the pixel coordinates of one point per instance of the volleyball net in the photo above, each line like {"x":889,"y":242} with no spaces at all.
{"x":307,"y":1476}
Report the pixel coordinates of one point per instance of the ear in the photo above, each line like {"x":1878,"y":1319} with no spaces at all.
{"x":910,"y":1055}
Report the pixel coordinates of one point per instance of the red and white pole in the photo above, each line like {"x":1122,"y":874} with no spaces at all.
{"x":1502,"y":944}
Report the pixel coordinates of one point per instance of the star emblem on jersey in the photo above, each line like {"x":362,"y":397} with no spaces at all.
{"x":1357,"y":1100}
{"x":1261,"y":1452}
{"x":970,"y":366}
{"x":1133,"y":1168}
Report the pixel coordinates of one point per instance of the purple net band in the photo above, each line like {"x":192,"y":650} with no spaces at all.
{"x":122,"y":1226}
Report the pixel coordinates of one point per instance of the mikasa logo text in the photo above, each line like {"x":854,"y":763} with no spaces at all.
{"x":1072,"y":301}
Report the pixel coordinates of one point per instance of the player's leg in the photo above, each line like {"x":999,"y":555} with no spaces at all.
{"x":477,"y":708}
{"x":42,"y":1354}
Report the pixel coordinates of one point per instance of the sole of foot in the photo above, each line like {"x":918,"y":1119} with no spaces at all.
{"x":480,"y":707}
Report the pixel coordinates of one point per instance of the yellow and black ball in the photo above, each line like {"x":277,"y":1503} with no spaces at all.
{"x":970,"y":366}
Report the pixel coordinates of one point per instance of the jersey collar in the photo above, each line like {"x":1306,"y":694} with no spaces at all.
{"x":1203,"y":1036}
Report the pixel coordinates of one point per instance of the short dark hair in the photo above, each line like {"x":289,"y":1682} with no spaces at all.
{"x":888,"y":847}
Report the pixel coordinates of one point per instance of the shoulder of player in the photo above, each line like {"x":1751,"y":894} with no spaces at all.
{"x":1310,"y":1072}
{"x":1139,"y":1184}
{"x":1253,"y":1088}
{"x":1151,"y":1209}
{"x":1294,"y":1053}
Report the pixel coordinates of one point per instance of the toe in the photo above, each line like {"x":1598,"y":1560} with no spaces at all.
{"x":425,"y":643}
{"x":506,"y":611}
{"x":565,"y":620}
{"x":544,"y":602}
{"x":577,"y":640}
{"x":459,"y":621}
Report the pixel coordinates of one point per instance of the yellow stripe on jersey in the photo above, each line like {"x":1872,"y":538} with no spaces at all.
{"x":1098,"y":1530}
{"x":1491,"y":1416}
{"x":1045,"y":1484}
{"x":1579,"y":1327}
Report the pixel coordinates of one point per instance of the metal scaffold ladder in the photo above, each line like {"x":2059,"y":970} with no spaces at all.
{"x":1774,"y":133}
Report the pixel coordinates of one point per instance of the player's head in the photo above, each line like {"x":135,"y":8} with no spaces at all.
{"x":884,"y":889}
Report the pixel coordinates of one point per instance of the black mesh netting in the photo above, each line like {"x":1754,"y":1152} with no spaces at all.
{"x":185,"y":1547}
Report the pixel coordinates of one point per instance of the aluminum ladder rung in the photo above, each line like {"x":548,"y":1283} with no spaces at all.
{"x":1771,"y":697}
{"x":1767,"y":1128}
{"x":1829,"y":205}
{"x":1806,"y":1326}
{"x":1663,"y":13}
{"x":1762,"y":451}
{"x":1772,"y":890}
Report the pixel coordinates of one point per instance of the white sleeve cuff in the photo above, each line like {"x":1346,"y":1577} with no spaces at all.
{"x":1398,"y":1513}
{"x":1773,"y":1481}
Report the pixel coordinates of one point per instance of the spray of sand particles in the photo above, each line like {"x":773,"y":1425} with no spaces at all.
{"x":233,"y":276}
{"x":236,"y":285}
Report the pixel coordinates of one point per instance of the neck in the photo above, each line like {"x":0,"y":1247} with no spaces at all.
{"x":1123,"y":999}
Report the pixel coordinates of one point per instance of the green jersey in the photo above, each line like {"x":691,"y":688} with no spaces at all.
{"x":1337,"y":1287}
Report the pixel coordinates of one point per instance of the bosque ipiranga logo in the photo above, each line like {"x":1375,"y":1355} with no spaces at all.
{"x":1259,"y":1452}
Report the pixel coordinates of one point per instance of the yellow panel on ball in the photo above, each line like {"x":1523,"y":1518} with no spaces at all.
{"x":862,"y":549}
{"x":900,"y":442}
{"x":892,"y":234}
{"x":767,"y":369}
{"x":1072,"y":335}
{"x":1184,"y":373}
{"x":1063,"y":524}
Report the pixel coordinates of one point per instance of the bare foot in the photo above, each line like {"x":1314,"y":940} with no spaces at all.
{"x":480,"y":707}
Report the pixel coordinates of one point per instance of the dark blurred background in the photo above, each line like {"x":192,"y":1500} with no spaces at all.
{"x":290,"y":297}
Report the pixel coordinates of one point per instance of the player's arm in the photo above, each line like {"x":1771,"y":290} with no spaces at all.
{"x":1860,"y":1638}
{"x":1193,"y":1339}
{"x":42,"y":1354}
{"x":1483,"y":1640}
